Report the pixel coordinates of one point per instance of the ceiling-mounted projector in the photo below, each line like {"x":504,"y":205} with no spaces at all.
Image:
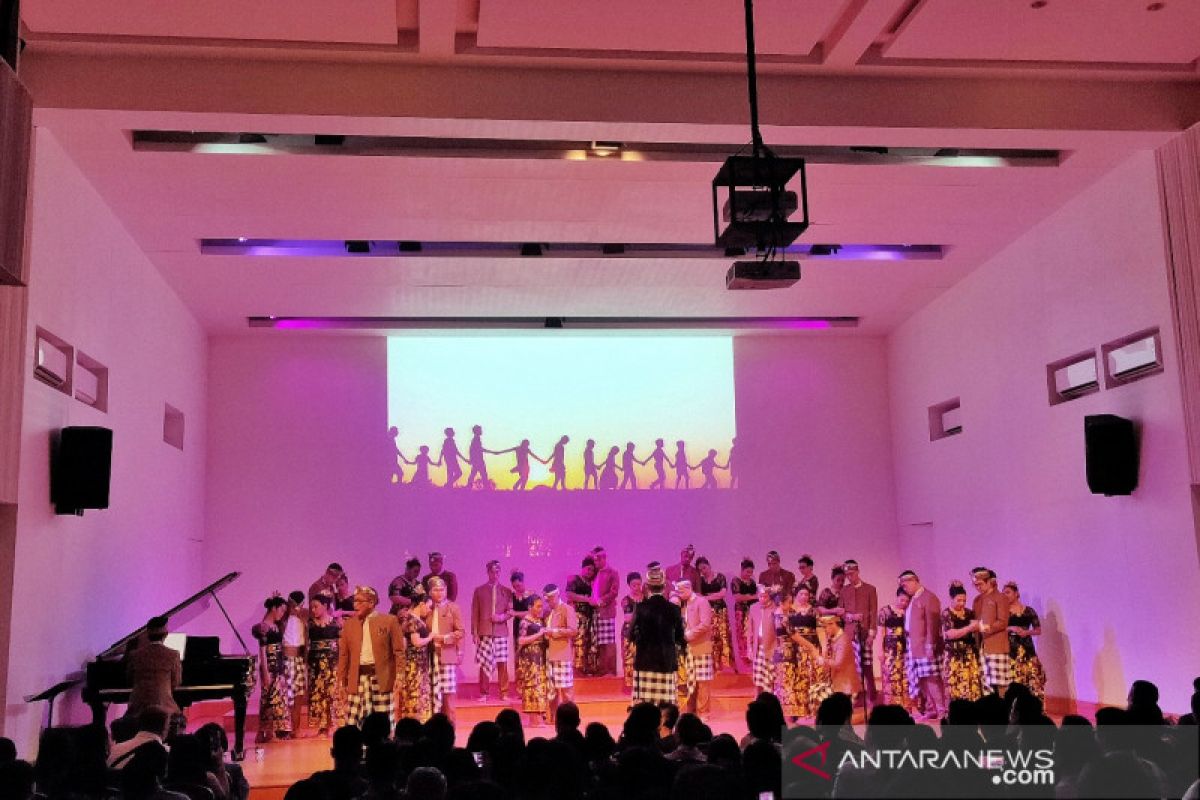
{"x":762,"y":274}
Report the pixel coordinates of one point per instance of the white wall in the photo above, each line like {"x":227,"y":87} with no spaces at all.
{"x":82,"y":582}
{"x":296,"y":475}
{"x":1114,"y":578}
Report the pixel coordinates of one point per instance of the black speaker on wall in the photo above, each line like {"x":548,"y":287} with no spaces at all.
{"x":80,"y":468}
{"x":1112,"y":454}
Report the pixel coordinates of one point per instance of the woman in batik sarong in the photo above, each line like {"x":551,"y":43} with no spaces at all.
{"x":533,"y":682}
{"x":414,"y":686}
{"x":745,"y":594}
{"x":714,"y":589}
{"x":579,"y":595}
{"x":637,"y":594}
{"x":1023,"y":625}
{"x":895,"y":645}
{"x":323,"y":633}
{"x":273,"y":716}
{"x":799,"y":667}
{"x":962,"y":670}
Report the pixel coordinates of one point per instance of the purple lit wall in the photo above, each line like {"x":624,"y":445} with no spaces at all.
{"x":295,"y":477}
{"x":1113,"y":578}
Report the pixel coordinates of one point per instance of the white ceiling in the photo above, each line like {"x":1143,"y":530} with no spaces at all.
{"x":170,"y":200}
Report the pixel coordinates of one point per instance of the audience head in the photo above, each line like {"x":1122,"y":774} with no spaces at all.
{"x":426,"y":783}
{"x":835,"y":710}
{"x":509,"y":721}
{"x":642,"y":725}
{"x":16,"y":779}
{"x":347,"y":749}
{"x":668,"y":716}
{"x":376,"y":728}
{"x":408,"y":730}
{"x":8,"y":751}
{"x":566,"y":718}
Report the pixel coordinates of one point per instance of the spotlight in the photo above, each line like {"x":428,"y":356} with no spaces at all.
{"x":409,"y":247}
{"x":532,"y":249}
{"x":604,"y":149}
{"x":329,"y":140}
{"x":553,"y":322}
{"x":612,"y":249}
{"x":358,"y":246}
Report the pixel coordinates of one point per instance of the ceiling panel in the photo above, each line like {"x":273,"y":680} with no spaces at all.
{"x":1087,"y":31}
{"x":361,"y":21}
{"x":782,"y":27}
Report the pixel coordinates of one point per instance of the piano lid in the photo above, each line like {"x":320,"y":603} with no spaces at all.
{"x":211,"y":589}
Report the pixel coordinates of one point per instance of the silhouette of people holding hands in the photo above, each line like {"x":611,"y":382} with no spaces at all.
{"x":422,"y":462}
{"x":659,"y":457}
{"x":681,"y":466}
{"x":558,"y":464}
{"x":608,"y":478}
{"x":523,"y":453}
{"x":628,"y":475}
{"x":589,"y":465}
{"x":477,"y":461}
{"x":706,"y":467}
{"x":397,"y":472}
{"x":451,"y":456}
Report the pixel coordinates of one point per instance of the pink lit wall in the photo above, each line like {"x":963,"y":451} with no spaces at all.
{"x":82,"y":582}
{"x":298,"y":463}
{"x":1114,"y":578}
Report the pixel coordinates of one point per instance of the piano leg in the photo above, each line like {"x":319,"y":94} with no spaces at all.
{"x":239,"y":724}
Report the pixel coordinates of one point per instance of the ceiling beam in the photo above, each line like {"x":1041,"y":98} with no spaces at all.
{"x":159,"y":79}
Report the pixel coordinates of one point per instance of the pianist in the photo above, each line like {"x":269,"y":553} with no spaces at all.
{"x":154,"y":672}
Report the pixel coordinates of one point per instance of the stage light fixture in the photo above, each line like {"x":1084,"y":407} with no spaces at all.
{"x":409,"y":247}
{"x":612,"y":249}
{"x":358,"y":246}
{"x":531,"y":249}
{"x":604,"y":149}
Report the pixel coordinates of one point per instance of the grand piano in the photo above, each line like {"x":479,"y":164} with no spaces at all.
{"x":207,"y":675}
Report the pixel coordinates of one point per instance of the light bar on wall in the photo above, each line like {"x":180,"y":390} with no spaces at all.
{"x":393,"y":248}
{"x":552,"y":323}
{"x":238,"y":143}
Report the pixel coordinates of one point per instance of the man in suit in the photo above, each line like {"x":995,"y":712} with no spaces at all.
{"x":779,"y":579}
{"x":657,"y":634}
{"x":697,"y":632}
{"x":154,"y":671}
{"x":562,"y":626}
{"x":605,"y":589}
{"x":760,"y":639}
{"x":491,"y":608}
{"x":991,"y":609}
{"x":446,"y":630}
{"x":370,"y":647}
{"x":685,"y":570}
{"x":861,"y":604}
{"x":437,"y":569}
{"x":923,"y":625}
{"x":839,"y":657}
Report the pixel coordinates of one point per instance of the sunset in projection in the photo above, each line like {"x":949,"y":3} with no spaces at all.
{"x":561,"y":412}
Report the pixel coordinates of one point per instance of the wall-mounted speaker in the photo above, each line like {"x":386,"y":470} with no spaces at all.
{"x":80,"y":469}
{"x":1111,"y":447}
